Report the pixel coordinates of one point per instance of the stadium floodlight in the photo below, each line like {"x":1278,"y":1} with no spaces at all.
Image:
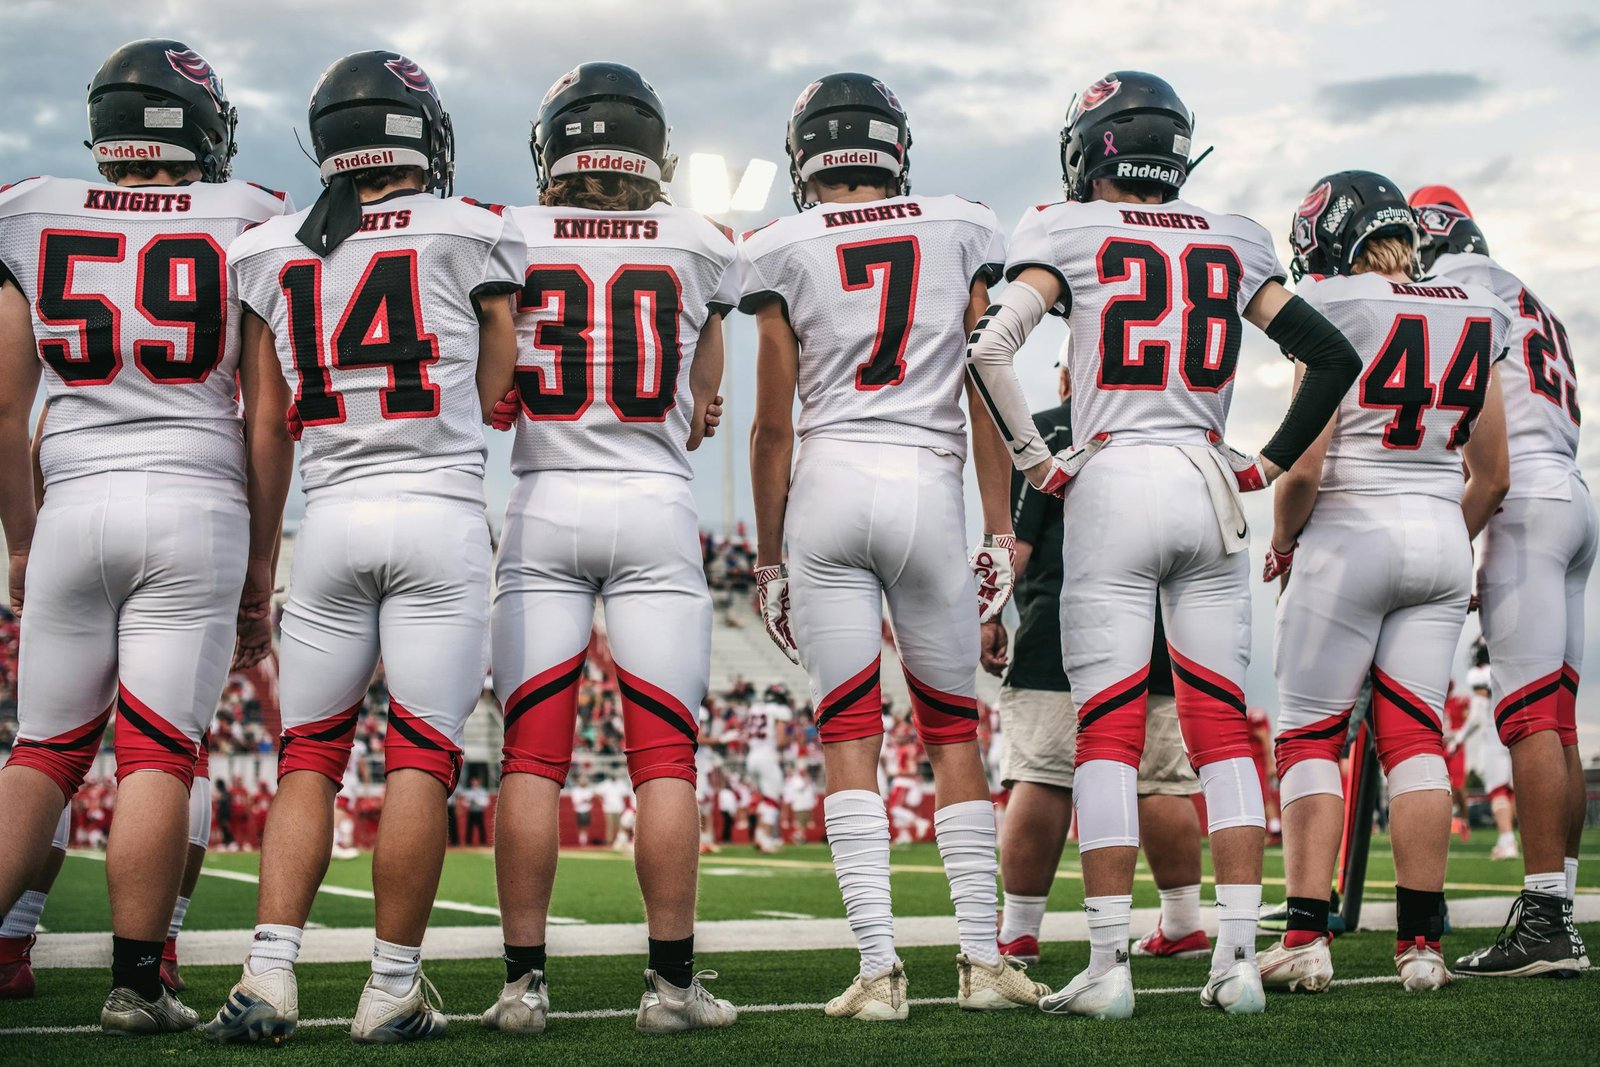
{"x":708,"y":183}
{"x":754,"y":185}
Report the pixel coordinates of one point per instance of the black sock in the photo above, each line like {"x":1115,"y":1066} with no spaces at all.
{"x":673,"y":960}
{"x":1309,"y":914}
{"x":1418,"y":913}
{"x":136,"y":965}
{"x":520,"y":959}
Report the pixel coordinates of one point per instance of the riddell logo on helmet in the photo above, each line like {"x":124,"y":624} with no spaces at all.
{"x":127,"y":150}
{"x":846,"y":159}
{"x":362,"y":160}
{"x":1170,"y":175}
{"x":611,"y":161}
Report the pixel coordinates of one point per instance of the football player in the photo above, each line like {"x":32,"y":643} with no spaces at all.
{"x":1156,"y":291}
{"x":154,"y":522}
{"x":1493,"y":759}
{"x":619,"y":326}
{"x":388,"y":310}
{"x":862,"y":301}
{"x":1537,"y":552}
{"x":1382,"y":486}
{"x":766,"y":735}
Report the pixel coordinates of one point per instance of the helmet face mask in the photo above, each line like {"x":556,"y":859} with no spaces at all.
{"x":602,"y":118}
{"x":379,"y":109}
{"x":847,"y":121}
{"x":1340,"y":214}
{"x":1129,"y":125}
{"x":159,"y":101}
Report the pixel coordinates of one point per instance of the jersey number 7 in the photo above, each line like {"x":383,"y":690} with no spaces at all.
{"x":893,"y":264}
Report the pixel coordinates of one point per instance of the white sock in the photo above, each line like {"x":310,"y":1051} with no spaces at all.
{"x":23,"y":918}
{"x":858,"y":835}
{"x":395,"y":967}
{"x":965,"y":833}
{"x":1239,"y":906}
{"x":178,"y":912}
{"x":1505,"y":840}
{"x":1550,"y":883}
{"x":1570,"y":866}
{"x":273,"y":946}
{"x":1023,"y":916}
{"x":1109,"y":918}
{"x":1180,"y":911}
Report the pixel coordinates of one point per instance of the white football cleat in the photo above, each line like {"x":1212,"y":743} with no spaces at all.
{"x":261,"y":1007}
{"x":1305,"y":968}
{"x":522,"y":1007}
{"x":981,"y":987}
{"x":1422,"y":968}
{"x":667,"y":1009}
{"x":1504,"y":852}
{"x":880,"y":999}
{"x":125,"y":1012}
{"x":1236,"y":990}
{"x":385,"y":1019}
{"x":1108,"y":995}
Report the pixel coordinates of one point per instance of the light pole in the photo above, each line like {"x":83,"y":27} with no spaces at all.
{"x":709,"y":193}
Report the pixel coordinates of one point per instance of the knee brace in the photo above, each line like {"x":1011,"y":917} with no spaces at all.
{"x":1319,"y":740}
{"x":1535,"y":707}
{"x":322,"y":746}
{"x":1211,"y":712}
{"x":147,"y":742}
{"x":1309,"y":777}
{"x":1403,"y":724}
{"x":1418,"y":773}
{"x":660,"y":735}
{"x":200,"y":811}
{"x":1111,"y":723}
{"x":1233,"y":794}
{"x":942,"y":718}
{"x":854,"y":709}
{"x":412,"y":744}
{"x":540,"y":718}
{"x":65,"y":758}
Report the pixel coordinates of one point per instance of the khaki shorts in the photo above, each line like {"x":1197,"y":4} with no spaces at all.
{"x":1041,"y":735}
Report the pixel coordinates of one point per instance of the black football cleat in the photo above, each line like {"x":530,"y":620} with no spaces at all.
{"x":1537,"y":939}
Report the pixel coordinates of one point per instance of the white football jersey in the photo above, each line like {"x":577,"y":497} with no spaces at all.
{"x":379,"y":340}
{"x":136,"y":324}
{"x":1154,"y":296}
{"x":1539,"y":380}
{"x":1426,"y":349}
{"x":608,"y":322}
{"x":761,"y":728}
{"x":877,"y":294}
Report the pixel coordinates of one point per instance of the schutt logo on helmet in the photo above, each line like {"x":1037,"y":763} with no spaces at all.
{"x":193,"y":66}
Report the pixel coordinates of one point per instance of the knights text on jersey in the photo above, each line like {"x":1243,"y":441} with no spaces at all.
{"x":608,"y":322}
{"x":379,"y":340}
{"x":877,"y":295}
{"x":1539,"y":380}
{"x":1426,"y":350}
{"x":1155,"y":297}
{"x":137,"y":326}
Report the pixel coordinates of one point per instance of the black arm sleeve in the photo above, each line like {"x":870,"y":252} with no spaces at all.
{"x":1331,"y":368}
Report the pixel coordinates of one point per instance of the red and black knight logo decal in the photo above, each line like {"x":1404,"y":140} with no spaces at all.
{"x":193,"y":66}
{"x":412,"y":75}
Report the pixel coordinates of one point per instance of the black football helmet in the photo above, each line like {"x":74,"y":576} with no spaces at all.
{"x":848,"y":120}
{"x":379,"y":109}
{"x":1445,"y":229}
{"x":777,"y":693}
{"x":1338,"y":216}
{"x":1129,"y":125}
{"x":602,"y":118}
{"x":158,"y":100}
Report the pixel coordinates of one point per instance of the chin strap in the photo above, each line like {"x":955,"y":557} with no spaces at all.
{"x":1197,"y":160}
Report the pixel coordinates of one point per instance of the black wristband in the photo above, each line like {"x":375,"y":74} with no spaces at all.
{"x":1332,"y":365}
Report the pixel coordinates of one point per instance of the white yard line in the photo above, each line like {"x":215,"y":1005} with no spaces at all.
{"x":744,"y":1009}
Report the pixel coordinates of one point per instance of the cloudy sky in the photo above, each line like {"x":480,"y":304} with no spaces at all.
{"x":1486,"y":96}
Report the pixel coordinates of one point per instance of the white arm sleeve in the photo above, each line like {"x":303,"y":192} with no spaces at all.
{"x":990,"y":352}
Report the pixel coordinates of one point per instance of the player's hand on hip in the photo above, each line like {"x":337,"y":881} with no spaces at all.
{"x":18,"y":576}
{"x":993,"y":564}
{"x":506,"y":409}
{"x":772,"y":597}
{"x":1278,"y":563}
{"x":1055,"y":474}
{"x":1250,"y":471}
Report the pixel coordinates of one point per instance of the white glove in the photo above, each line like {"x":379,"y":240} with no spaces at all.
{"x":772,"y":597}
{"x":1248,"y":470}
{"x":994,"y":564}
{"x":1066,"y":464}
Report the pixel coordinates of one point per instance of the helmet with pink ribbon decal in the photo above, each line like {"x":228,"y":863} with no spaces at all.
{"x":1128,"y":126}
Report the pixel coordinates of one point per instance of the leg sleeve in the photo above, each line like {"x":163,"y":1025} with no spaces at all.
{"x":1522,"y":586}
{"x":1206,"y":609}
{"x":1576,"y":584}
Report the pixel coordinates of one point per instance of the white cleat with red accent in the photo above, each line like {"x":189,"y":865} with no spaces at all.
{"x":1305,"y":968}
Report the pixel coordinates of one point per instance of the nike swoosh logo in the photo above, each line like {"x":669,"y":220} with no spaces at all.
{"x":1241,"y":531}
{"x":1018,"y":450}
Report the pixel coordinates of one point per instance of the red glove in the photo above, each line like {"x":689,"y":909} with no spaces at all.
{"x":1068,"y":463}
{"x":1248,"y":470}
{"x":1278,"y":563}
{"x":506,"y":410}
{"x":291,"y":421}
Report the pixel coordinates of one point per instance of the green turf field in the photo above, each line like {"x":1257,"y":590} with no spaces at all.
{"x":598,"y":886}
